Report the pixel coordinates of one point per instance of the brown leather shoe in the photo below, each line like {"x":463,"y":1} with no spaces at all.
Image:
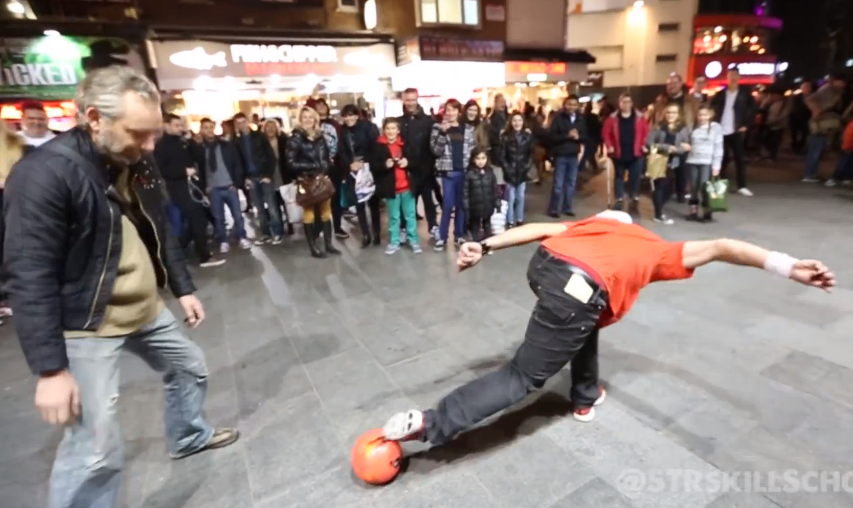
{"x":220,"y":439}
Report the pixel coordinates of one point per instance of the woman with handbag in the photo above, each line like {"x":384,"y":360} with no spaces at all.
{"x":308,"y":158}
{"x":358,"y":140}
{"x":667,"y":141}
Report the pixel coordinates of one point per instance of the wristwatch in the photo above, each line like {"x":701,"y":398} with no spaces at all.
{"x":485,"y":247}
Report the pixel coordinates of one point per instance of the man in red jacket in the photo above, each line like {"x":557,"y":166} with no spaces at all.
{"x":586,"y":276}
{"x":624,"y":133}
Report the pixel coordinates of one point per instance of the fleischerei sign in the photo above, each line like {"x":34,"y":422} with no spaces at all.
{"x":51,"y":67}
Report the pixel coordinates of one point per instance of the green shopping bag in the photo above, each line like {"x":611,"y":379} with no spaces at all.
{"x":717,"y":195}
{"x":345,"y":196}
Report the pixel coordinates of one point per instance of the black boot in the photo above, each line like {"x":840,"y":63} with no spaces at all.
{"x":327,"y":238}
{"x":365,"y":241}
{"x":311,"y":238}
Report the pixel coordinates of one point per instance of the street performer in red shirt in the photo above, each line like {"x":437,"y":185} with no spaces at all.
{"x":586,"y":276}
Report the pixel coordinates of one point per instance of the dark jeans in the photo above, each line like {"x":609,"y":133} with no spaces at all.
{"x":635,"y":173}
{"x":844,"y":170}
{"x":220,"y":197}
{"x":481,"y":228}
{"x":337,"y":211}
{"x":799,"y":135}
{"x":454,"y":189}
{"x":661,"y":194}
{"x":565,"y":180}
{"x":424,"y":192}
{"x":772,"y":142}
{"x":375,"y":221}
{"x":561,"y":330}
{"x":733,"y":148}
{"x":266,"y":202}
{"x":681,"y":179}
{"x":194,"y":214}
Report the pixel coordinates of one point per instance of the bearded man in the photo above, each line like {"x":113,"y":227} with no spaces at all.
{"x":87,"y":247}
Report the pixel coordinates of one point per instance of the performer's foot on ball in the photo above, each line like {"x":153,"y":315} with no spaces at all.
{"x":587,"y":414}
{"x":406,"y":426}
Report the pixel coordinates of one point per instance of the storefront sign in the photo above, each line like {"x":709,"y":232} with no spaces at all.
{"x":751,"y":67}
{"x":51,"y":67}
{"x":179,"y":63}
{"x":541,"y":72}
{"x":594,"y":79}
{"x":495,"y":12}
{"x":440,"y":48}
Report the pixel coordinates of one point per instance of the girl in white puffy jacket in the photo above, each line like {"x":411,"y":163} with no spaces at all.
{"x":704,"y":160}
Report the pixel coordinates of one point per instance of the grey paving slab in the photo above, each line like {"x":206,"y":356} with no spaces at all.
{"x":730,"y":372}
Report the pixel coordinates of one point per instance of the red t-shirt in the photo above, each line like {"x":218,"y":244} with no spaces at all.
{"x":401,"y":178}
{"x":624,"y":257}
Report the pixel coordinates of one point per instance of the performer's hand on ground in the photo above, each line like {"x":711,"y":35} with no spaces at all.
{"x":813,"y":273}
{"x":193,"y":309}
{"x":469,"y":255}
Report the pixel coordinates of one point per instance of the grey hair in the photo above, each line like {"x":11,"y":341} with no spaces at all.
{"x":104,"y":89}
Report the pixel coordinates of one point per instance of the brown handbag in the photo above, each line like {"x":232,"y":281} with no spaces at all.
{"x":313,"y":190}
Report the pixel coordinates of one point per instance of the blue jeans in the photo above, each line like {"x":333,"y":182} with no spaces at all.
{"x":404,"y":204}
{"x":453,"y":185}
{"x":176,"y":220}
{"x":269,"y":213}
{"x":844,"y":170}
{"x":89,"y":461}
{"x":565,"y":178}
{"x":220,"y":197}
{"x":816,"y":147}
{"x":515,"y":202}
{"x":635,"y":172}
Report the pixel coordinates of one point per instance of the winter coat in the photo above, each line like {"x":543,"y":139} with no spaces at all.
{"x":306,"y":156}
{"x":516,"y":158}
{"x":610,"y":134}
{"x":442,"y":148}
{"x":415,"y":130}
{"x":481,"y":193}
{"x":386,"y":178}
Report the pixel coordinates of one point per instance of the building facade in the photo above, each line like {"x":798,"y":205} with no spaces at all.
{"x":635,"y":44}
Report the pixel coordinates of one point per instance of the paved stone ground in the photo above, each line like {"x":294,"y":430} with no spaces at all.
{"x":732,"y":371}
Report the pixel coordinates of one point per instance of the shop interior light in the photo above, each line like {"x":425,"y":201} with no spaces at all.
{"x":52,"y":33}
{"x":718,"y":29}
{"x":762,"y":51}
{"x":16,"y":8}
{"x":370,"y":18}
{"x":639,"y":4}
{"x":723,"y":38}
{"x":561,"y":83}
{"x":850,"y":63}
{"x":275,"y":78}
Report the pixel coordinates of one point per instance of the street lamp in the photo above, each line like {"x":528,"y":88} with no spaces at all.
{"x":370,"y":14}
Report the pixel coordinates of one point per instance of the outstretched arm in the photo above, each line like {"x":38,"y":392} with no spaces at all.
{"x":471,"y":252}
{"x":735,"y":252}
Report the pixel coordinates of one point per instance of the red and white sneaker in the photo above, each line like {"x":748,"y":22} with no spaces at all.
{"x":587,"y":414}
{"x":408,"y":426}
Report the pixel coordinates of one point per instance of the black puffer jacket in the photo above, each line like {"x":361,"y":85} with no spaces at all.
{"x":515,"y":156}
{"x":481,"y":193}
{"x":63,"y":242}
{"x":305,"y":156}
{"x":415,"y":130}
{"x":357,"y":142}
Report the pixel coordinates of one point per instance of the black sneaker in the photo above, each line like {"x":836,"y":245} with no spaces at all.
{"x":340,"y":234}
{"x":693,"y":217}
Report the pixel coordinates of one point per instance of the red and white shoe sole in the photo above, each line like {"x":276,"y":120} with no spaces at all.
{"x":590,"y":416}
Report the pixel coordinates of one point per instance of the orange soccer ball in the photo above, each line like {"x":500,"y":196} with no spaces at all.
{"x":375,"y":460}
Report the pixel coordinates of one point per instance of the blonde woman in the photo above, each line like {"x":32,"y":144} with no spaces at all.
{"x":671,"y":137}
{"x":11,"y":149}
{"x":307,"y":155}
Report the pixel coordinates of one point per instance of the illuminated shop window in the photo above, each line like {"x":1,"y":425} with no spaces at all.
{"x":708,"y":41}
{"x":449,"y":12}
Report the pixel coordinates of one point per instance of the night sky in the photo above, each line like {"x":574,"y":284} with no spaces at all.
{"x":801,"y":41}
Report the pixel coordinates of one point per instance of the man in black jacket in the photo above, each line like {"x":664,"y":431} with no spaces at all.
{"x":567,"y":134}
{"x":415,"y":128}
{"x":735,"y":109}
{"x":87,"y":246}
{"x":259,"y":162}
{"x":175,"y":164}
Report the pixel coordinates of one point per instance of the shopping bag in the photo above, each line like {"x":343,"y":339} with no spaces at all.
{"x":288,"y":195}
{"x":717,"y":195}
{"x":346,"y":195}
{"x":364,"y":185}
{"x":657,"y":164}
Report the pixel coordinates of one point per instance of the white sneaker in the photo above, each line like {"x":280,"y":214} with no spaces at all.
{"x":416,"y":248}
{"x":404,"y":238}
{"x":831,"y":183}
{"x":439,"y":246}
{"x":587,"y":414}
{"x":743,"y":191}
{"x":810,"y":179}
{"x":663,"y":219}
{"x":434,"y":233}
{"x":392,"y":249}
{"x":224,"y":247}
{"x":404,"y":426}
{"x":245,"y":244}
{"x":276,"y":240}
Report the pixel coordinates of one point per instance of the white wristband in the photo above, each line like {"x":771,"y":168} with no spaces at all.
{"x":780,"y":264}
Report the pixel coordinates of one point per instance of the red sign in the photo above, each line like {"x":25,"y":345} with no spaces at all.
{"x":535,"y":68}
